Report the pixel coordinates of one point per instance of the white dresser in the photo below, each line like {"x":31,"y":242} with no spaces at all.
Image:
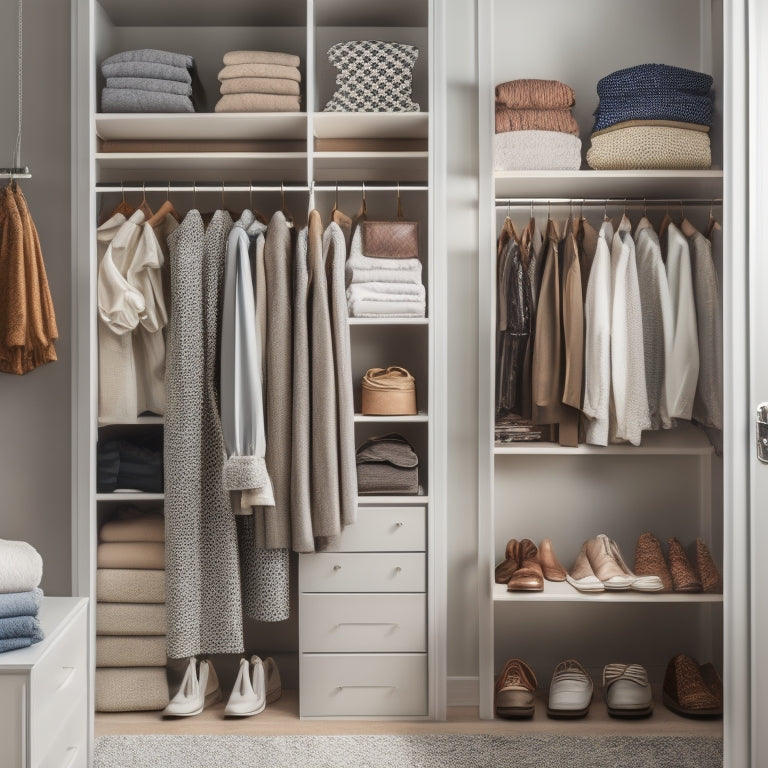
{"x":363,"y":619}
{"x":43,"y":692}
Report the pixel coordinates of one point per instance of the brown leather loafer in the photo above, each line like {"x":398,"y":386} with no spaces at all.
{"x":510,"y":564}
{"x":684,"y":578}
{"x":528,"y":577}
{"x":686,"y":692}
{"x":514,"y":690}
{"x":550,"y":565}
{"x":649,"y":560}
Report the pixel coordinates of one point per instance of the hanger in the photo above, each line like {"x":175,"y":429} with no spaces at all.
{"x":400,"y":203}
{"x":144,"y":205}
{"x":166,"y":208}
{"x":665,"y":223}
{"x":288,"y":216}
{"x":257,"y":214}
{"x":311,"y":198}
{"x":685,"y":226}
{"x":123,"y":207}
{"x":605,"y":210}
{"x":711,"y":222}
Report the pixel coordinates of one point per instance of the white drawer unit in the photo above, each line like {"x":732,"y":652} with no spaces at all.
{"x":43,"y":692}
{"x":372,"y":685}
{"x":363,"y":623}
{"x":362,"y":572}
{"x":385,"y":529}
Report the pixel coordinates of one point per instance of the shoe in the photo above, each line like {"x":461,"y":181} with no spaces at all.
{"x":248,"y":695}
{"x":649,"y":560}
{"x":199,"y":689}
{"x":707,"y":570}
{"x":528,"y":577}
{"x":684,"y":578}
{"x":712,"y":681}
{"x":514,"y":690}
{"x":627,"y":690}
{"x":550,"y":565}
{"x":604,"y":564}
{"x":273,"y":683}
{"x":648,"y":583}
{"x":570,"y":692}
{"x":686,"y":692}
{"x":582,"y":577}
{"x":509,"y":565}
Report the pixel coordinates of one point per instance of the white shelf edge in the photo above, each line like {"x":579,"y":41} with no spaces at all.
{"x":378,"y":500}
{"x":420,"y":417}
{"x":389,"y":321}
{"x":371,"y":155}
{"x":140,"y":496}
{"x":562,"y":592}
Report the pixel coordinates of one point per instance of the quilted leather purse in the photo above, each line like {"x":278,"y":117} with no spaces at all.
{"x":387,"y":465}
{"x":397,"y":239}
{"x":389,"y":392}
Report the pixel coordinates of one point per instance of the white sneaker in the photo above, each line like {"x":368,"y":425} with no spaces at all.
{"x":198,"y":690}
{"x":248,"y":695}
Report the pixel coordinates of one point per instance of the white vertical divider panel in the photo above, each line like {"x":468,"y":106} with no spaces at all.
{"x":310,"y":89}
{"x":485,"y":346}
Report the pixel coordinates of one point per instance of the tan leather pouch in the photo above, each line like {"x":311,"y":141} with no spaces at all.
{"x":397,"y":239}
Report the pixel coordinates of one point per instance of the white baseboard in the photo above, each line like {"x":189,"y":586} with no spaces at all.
{"x":463,"y":691}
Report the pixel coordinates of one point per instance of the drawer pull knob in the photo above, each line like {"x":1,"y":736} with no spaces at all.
{"x":400,"y":524}
{"x":70,"y":674}
{"x":398,"y":569}
{"x":343,"y":687}
{"x":336,"y":567}
{"x":368,"y":624}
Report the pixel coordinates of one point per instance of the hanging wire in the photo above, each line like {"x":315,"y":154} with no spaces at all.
{"x":17,"y":152}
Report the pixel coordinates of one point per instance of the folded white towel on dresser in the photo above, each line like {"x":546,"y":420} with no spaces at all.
{"x":21,"y":567}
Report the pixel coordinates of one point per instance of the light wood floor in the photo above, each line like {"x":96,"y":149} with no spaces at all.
{"x":282,"y":718}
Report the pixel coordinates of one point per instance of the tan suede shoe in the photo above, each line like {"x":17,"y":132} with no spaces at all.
{"x":582,"y":577}
{"x":604,"y":564}
{"x":550,"y":565}
{"x":528,"y":577}
{"x":510,"y":564}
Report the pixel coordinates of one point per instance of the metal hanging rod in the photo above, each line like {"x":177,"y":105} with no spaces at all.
{"x":239,"y":187}
{"x":503,"y":202}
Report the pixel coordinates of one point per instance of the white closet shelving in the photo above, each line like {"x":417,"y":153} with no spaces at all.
{"x":312,"y":147}
{"x":672,"y":483}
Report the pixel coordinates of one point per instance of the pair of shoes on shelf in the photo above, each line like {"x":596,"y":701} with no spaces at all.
{"x":258,"y":684}
{"x":525,"y":566}
{"x":680,"y":576}
{"x":692,"y":690}
{"x":600,"y":566}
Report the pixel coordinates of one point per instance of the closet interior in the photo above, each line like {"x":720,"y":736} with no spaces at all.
{"x":365,"y":637}
{"x":672,"y":483}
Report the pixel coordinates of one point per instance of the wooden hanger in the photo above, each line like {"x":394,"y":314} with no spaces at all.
{"x":166,"y":208}
{"x":122,"y":207}
{"x":711,"y":223}
{"x":288,"y":216}
{"x":144,"y":205}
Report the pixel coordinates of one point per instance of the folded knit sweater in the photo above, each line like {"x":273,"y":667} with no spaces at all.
{"x":535,"y":120}
{"x":652,"y":80}
{"x":535,"y":94}
{"x":681,"y":107}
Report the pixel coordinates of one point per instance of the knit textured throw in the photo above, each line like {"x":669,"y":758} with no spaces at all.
{"x":560,"y":120}
{"x":654,"y":79}
{"x":682,"y":107}
{"x":535,"y":94}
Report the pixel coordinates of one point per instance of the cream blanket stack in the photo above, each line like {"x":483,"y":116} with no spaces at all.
{"x":260,"y":81}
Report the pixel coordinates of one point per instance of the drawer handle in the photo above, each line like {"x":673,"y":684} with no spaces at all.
{"x":72,"y":757}
{"x":66,"y":681}
{"x":400,"y":524}
{"x":398,"y":569}
{"x":336,"y":567}
{"x":343,"y":687}
{"x":368,"y":624}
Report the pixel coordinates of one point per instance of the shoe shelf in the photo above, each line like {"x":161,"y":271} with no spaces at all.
{"x":370,"y":125}
{"x":417,"y":419}
{"x":130,"y":496}
{"x":562,"y":591}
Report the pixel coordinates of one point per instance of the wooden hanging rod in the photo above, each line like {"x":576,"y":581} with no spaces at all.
{"x":503,"y":202}
{"x":240,"y":187}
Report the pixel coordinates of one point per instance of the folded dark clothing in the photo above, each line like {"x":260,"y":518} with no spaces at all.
{"x":21,"y":626}
{"x":127,"y":100}
{"x":20,"y":603}
{"x":127,"y":465}
{"x":14,"y":643}
{"x":146,"y":69}
{"x":152,"y":56}
{"x":681,"y":107}
{"x":652,"y":79}
{"x":150,"y":84}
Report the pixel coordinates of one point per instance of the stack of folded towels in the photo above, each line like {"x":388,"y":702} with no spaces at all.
{"x":21,"y":569}
{"x":535,"y":128}
{"x":653,"y":116}
{"x":148,"y":80}
{"x":260,"y":81}
{"x":130,"y":613}
{"x":379,"y":287}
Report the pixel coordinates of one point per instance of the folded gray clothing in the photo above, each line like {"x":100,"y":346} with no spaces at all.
{"x":14,"y":643}
{"x":21,"y":626}
{"x":150,"y":84}
{"x":20,"y":603}
{"x":147,"y":69}
{"x":153,"y":56}
{"x":126,"y":100}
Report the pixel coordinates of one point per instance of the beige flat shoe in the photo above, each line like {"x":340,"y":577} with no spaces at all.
{"x":604,"y":564}
{"x":582,"y":577}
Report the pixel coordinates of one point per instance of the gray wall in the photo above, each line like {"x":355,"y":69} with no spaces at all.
{"x":35,"y":409}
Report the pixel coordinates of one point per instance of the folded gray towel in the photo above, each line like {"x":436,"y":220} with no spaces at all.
{"x":146,"y":69}
{"x":277,"y":85}
{"x":152,"y":56}
{"x":126,"y":100}
{"x":260,"y":70}
{"x":20,"y":603}
{"x":261,"y":57}
{"x":21,"y":626}
{"x":150,"y":84}
{"x":14,"y":643}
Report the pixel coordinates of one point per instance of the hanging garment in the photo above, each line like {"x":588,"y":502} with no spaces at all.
{"x":273,"y":526}
{"x":708,"y":401}
{"x":630,"y":397}
{"x":204,"y":606}
{"x":586,"y":240}
{"x":27,"y":319}
{"x":530,"y":251}
{"x":682,"y":366}
{"x":573,"y":336}
{"x":597,"y":340}
{"x":326,"y":509}
{"x":334,"y":255}
{"x":656,"y":309}
{"x":241,"y":393}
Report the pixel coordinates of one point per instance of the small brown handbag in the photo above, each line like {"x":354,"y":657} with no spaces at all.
{"x":398,"y":239}
{"x":389,"y":392}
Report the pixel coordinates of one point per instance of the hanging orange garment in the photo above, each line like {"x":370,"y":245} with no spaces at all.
{"x":27,"y":318}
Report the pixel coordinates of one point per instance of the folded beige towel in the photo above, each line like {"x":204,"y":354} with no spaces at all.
{"x":130,"y":619}
{"x":135,"y":689}
{"x":650,"y":147}
{"x":535,"y":94}
{"x":260,"y":85}
{"x":641,"y":123}
{"x":130,"y":585}
{"x":258,"y":102}
{"x":261,"y":57}
{"x":260,"y":70}
{"x":130,"y":651}
{"x":129,"y":554}
{"x":146,"y":528}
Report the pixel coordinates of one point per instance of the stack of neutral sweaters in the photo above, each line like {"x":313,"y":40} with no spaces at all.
{"x":653,"y":116}
{"x":148,"y":80}
{"x":130,"y":614}
{"x":535,"y":129}
{"x":260,"y":81}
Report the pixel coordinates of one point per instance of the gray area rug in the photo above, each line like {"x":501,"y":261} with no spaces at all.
{"x":436,"y":751}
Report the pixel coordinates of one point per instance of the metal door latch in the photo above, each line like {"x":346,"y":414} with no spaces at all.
{"x":762,"y":432}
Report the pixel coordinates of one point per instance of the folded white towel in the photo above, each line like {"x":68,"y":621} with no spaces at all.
{"x":368,"y":269}
{"x":363,"y":308}
{"x":21,"y":567}
{"x":536,"y":151}
{"x":386,"y":300}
